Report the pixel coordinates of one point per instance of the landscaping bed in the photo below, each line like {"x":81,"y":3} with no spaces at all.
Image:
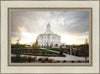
{"x":29,"y":59}
{"x":36,"y":52}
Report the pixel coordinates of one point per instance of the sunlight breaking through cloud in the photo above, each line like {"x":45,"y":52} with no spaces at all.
{"x":73,"y":26}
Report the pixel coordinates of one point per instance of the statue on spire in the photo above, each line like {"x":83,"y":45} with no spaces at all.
{"x":48,"y":30}
{"x":48,"y":23}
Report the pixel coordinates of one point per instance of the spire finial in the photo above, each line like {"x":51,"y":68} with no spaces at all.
{"x":48,"y":23}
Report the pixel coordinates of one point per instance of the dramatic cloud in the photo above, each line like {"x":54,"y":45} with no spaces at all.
{"x":74,"y":24}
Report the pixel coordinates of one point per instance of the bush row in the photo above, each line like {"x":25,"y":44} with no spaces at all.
{"x":46,"y":60}
{"x":23,"y":59}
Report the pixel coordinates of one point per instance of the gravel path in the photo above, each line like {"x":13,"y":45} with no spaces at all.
{"x":67,"y":58}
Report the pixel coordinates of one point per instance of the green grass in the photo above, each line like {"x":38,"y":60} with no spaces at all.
{"x":55,"y":49}
{"x":42,"y":49}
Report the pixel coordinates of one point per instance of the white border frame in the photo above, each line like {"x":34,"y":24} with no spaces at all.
{"x":51,"y":4}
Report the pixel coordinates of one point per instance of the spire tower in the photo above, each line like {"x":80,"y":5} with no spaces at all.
{"x":48,"y":30}
{"x":48,"y":27}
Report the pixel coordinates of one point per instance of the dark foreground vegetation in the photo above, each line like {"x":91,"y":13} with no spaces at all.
{"x":26,"y":59}
{"x":18,"y":50}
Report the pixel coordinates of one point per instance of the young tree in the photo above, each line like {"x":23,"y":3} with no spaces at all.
{"x":77,"y":52}
{"x":18,"y":47}
{"x":35,"y":45}
{"x":61,"y":50}
{"x":86,"y":49}
{"x":86,"y":41}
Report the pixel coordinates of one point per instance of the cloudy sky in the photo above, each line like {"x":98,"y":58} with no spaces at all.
{"x":72,"y":26}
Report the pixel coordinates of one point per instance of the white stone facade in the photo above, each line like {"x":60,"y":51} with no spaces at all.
{"x":49,"y":38}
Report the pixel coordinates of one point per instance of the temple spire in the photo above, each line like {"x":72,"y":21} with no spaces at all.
{"x":48,"y":27}
{"x":48,"y":23}
{"x":48,"y":30}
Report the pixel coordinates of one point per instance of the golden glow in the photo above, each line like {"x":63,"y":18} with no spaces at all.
{"x":26,"y":37}
{"x":73,"y":39}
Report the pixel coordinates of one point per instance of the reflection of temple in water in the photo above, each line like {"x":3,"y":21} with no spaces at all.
{"x":48,"y":38}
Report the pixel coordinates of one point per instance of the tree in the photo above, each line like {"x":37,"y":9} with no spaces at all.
{"x":86,"y":41}
{"x":86,"y":49}
{"x":61,"y":50}
{"x":77,"y":52}
{"x":18,"y":41}
{"x":35,"y":45}
{"x":18,"y":47}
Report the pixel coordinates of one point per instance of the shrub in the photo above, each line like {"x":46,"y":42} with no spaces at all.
{"x":46,"y":59}
{"x":79,"y":61}
{"x":58,"y":61}
{"x":64,"y":61}
{"x":13,"y":59}
{"x":51,"y":61}
{"x":87,"y":61}
{"x":25,"y":59}
{"x":16,"y":59}
{"x":41,"y":59}
{"x":63,"y":55}
{"x":30,"y":59}
{"x":72,"y":61}
{"x":34,"y":58}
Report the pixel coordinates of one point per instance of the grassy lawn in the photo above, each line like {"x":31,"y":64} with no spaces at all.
{"x":55,"y":49}
{"x":42,"y":49}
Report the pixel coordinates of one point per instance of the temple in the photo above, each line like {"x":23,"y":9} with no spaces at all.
{"x":48,"y":38}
